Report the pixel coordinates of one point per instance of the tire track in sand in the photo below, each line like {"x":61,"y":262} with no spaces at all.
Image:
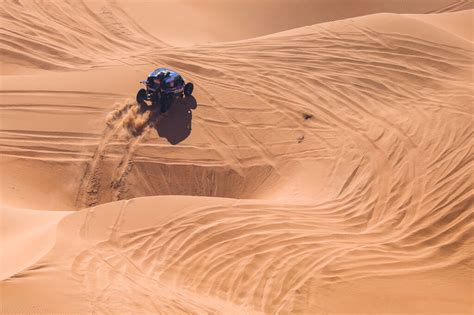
{"x":118,"y":182}
{"x":88,"y":192}
{"x":138,"y":125}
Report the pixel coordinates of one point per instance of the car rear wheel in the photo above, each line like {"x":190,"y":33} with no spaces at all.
{"x":188,"y":89}
{"x":141,"y":97}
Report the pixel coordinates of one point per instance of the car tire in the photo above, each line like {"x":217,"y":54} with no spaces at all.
{"x":188,"y":89}
{"x":141,"y":97}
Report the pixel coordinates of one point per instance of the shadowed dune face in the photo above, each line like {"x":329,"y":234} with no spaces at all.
{"x":118,"y":171}
{"x":344,"y":149}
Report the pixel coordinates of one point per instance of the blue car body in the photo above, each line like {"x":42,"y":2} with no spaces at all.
{"x":171,"y":86}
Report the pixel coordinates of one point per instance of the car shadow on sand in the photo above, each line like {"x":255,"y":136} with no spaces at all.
{"x":175,"y":125}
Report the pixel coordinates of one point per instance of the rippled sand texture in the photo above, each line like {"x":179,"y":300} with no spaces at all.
{"x":323,"y":169}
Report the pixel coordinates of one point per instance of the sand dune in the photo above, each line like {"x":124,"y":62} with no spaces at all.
{"x":27,"y":235}
{"x":187,"y":22}
{"x":67,"y":34}
{"x":319,"y":168}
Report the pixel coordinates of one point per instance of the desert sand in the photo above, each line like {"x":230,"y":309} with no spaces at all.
{"x":322,"y":166}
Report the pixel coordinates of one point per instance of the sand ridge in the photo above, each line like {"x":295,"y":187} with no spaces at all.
{"x":312,"y":167}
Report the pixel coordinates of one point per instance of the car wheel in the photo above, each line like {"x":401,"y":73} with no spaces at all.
{"x":141,"y":97}
{"x":188,"y":89}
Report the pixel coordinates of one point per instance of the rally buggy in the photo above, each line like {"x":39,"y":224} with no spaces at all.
{"x":161,"y":87}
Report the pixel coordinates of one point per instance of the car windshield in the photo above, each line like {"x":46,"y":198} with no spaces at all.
{"x":161,"y":70}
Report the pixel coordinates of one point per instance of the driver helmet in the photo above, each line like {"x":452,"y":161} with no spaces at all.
{"x":158,"y":78}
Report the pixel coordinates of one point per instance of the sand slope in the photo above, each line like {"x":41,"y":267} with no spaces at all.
{"x":322,"y":169}
{"x":67,"y":34}
{"x":185,"y":22}
{"x":26,"y":236}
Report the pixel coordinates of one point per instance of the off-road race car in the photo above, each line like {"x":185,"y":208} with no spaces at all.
{"x":162,"y":87}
